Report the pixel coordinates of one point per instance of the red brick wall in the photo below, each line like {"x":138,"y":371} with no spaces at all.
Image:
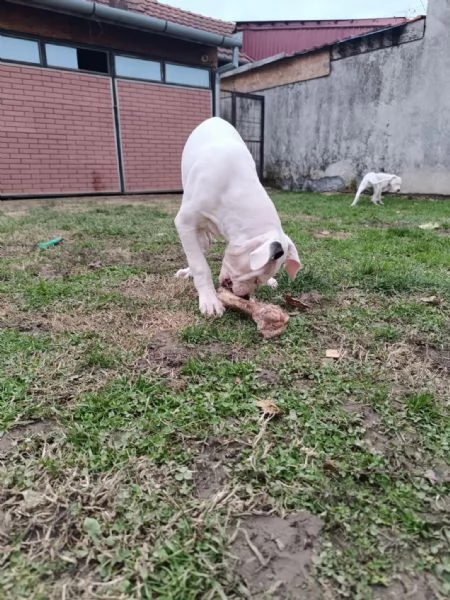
{"x":57,"y":132}
{"x":155,"y":121}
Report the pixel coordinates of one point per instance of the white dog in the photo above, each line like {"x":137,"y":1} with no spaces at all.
{"x":222,"y":196}
{"x":380,"y":182}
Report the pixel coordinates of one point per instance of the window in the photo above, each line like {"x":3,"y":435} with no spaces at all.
{"x":76,"y":58}
{"x":92,"y":60}
{"x":187,"y":75}
{"x":61,"y":56}
{"x":12,"y":48}
{"x":126,"y":66}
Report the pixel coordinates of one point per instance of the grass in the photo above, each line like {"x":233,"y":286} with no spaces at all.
{"x":133,"y":455}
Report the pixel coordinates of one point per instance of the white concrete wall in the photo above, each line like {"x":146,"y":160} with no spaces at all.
{"x":386,"y":109}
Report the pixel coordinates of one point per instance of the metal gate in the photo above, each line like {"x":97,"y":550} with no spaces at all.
{"x":246,"y":113}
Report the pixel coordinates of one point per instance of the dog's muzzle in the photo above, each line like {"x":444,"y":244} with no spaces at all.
{"x":228,"y":285}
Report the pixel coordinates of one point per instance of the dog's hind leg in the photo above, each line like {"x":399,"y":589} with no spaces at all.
{"x":376,"y":198}
{"x":205,"y":240}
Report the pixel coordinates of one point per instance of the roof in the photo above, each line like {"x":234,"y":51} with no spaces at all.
{"x":250,"y":66}
{"x":153,"y":8}
{"x":262,"y":39}
{"x":226,"y":55}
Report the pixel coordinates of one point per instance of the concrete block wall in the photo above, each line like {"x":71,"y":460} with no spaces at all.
{"x":384,"y":106}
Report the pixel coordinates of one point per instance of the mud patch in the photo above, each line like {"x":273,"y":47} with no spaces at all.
{"x":39,"y":428}
{"x":267,"y":377}
{"x":437,"y":359}
{"x":407,"y":587}
{"x":212,"y":464}
{"x":276,"y":555}
{"x":166,"y":355}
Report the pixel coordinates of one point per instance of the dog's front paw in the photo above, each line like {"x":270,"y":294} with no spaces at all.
{"x":183,"y":273}
{"x":211,"y":306}
{"x":272,"y":283}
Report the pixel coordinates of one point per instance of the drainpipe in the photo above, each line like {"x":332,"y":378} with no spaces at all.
{"x":126,"y":18}
{"x":224,"y":69}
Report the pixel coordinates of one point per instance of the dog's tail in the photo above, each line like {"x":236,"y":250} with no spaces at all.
{"x":362,"y":187}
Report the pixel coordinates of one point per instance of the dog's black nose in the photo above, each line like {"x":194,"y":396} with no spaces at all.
{"x":276,"y":250}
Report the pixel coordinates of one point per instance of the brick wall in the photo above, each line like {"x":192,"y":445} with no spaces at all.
{"x":57,"y":132}
{"x":155,"y":122}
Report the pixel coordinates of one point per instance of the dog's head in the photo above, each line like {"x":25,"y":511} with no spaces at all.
{"x":395,"y":184}
{"x":252,"y":264}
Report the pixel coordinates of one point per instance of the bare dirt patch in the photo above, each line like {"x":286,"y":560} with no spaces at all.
{"x":408,"y":368}
{"x":166,"y":355}
{"x":407,"y":587}
{"x":20,"y":208}
{"x":275,"y":555}
{"x":39,"y":428}
{"x":127,"y":329}
{"x":332,"y":235}
{"x":212,"y":464}
{"x":160,"y":289}
{"x":437,"y":358}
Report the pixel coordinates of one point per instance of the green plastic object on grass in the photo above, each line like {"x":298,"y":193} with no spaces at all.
{"x":50,"y":243}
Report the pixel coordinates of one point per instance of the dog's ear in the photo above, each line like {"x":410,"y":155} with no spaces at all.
{"x":292,"y":264}
{"x":270,"y":250}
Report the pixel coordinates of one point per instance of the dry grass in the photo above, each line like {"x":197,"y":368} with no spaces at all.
{"x":135,"y":462}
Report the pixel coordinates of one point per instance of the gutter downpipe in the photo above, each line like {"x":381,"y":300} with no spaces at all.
{"x":93,"y":10}
{"x":234,"y":64}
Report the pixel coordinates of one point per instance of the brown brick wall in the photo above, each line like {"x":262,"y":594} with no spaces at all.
{"x":155,"y":122}
{"x":57,"y":131}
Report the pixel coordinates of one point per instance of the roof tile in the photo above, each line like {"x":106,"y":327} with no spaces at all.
{"x":153,"y":8}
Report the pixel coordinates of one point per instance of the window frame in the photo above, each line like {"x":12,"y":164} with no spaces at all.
{"x":27,"y":38}
{"x":110,"y":57}
{"x":116,"y":54}
{"x":75,"y":47}
{"x":196,"y":87}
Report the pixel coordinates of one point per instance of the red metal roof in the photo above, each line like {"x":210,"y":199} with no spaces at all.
{"x":266,"y":38}
{"x":153,"y":8}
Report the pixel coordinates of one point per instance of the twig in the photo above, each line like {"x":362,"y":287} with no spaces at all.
{"x":254,"y":549}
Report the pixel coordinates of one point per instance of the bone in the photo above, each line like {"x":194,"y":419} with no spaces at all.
{"x":270,"y":319}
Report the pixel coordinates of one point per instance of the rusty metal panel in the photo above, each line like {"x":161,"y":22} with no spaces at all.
{"x":264,"y":39}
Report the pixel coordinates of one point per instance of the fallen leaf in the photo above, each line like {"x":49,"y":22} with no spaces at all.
{"x":333,"y":353}
{"x":32,"y":499}
{"x":431,"y":476}
{"x":96,"y":264}
{"x":429,"y":226}
{"x":431,"y":300}
{"x":305,"y":301}
{"x":268,"y":408}
{"x":329,"y":466}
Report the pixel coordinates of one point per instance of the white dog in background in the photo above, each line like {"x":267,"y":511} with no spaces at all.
{"x":380,"y":182}
{"x":222,"y":196}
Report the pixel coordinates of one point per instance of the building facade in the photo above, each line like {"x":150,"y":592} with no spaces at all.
{"x":96,"y":103}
